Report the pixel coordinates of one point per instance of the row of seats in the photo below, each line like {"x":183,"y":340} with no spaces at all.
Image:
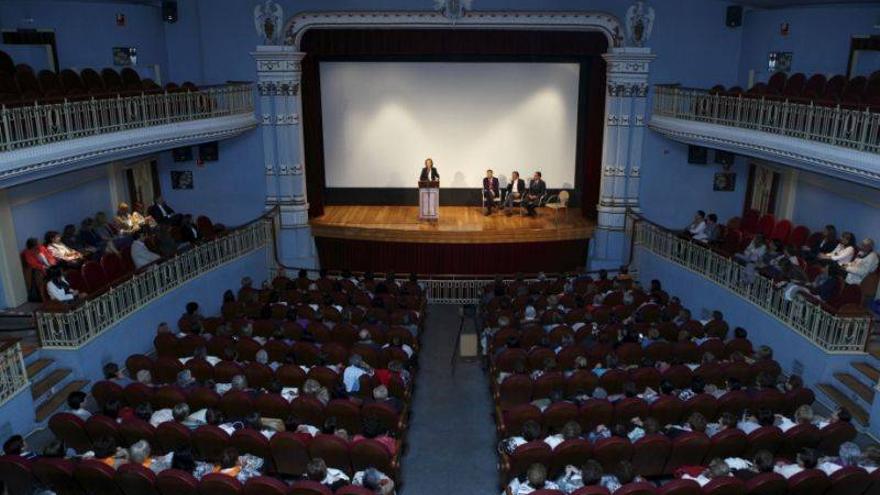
{"x":657,"y":455}
{"x":856,"y":92}
{"x":89,"y":477}
{"x":21,"y":85}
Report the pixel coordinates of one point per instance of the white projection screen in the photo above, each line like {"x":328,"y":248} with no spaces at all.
{"x":382,"y":119}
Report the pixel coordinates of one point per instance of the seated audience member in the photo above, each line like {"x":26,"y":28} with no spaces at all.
{"x":537,"y":189}
{"x":826,"y":285}
{"x":825,"y":245}
{"x":380,"y":395}
{"x":161,"y":212}
{"x":841,"y":414}
{"x":531,"y":431}
{"x":761,"y":463}
{"x":140,"y":453}
{"x":374,"y":480}
{"x":372,"y":429}
{"x":139,"y":218}
{"x":144,"y":377}
{"x":712,"y":231}
{"x":247,"y":293}
{"x":697,"y":228}
{"x":17,"y":446}
{"x":59,"y":288}
{"x":843,"y":253}
{"x":88,"y":237}
{"x":38,"y":256}
{"x":806,"y":459}
{"x":115,"y":375}
{"x":140,"y":253}
{"x":849,"y":454}
{"x":515,"y":190}
{"x":107,"y":451}
{"x":332,"y":478}
{"x":104,"y":229}
{"x":490,"y":192}
{"x":754,"y":251}
{"x":191,"y":320}
{"x":188,"y":230}
{"x":572,"y":479}
{"x":717,"y":469}
{"x":535,"y":479}
{"x":313,"y":388}
{"x":75,"y":402}
{"x":165,"y":242}
{"x":70,"y":238}
{"x":864,"y":263}
{"x":353,"y":372}
{"x":123,"y":221}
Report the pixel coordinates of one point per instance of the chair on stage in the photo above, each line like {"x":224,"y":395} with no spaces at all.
{"x":556,"y":203}
{"x":496,"y":201}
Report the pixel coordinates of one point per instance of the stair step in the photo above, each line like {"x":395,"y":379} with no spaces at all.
{"x":48,"y":407}
{"x":37,"y":366}
{"x":841,"y":399}
{"x":865,"y":392}
{"x":43,"y":386}
{"x":28,"y":349}
{"x":870,"y":372}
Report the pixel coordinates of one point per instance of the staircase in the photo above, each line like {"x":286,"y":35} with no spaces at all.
{"x":854,"y":389}
{"x":50,"y":384}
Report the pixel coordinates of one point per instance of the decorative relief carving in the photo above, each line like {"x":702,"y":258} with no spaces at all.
{"x":639,"y":23}
{"x":278,"y":65}
{"x":270,"y":169}
{"x":276,"y":88}
{"x":612,"y":119}
{"x":267,"y":19}
{"x":624,"y":120}
{"x":640,"y":120}
{"x":297,"y":169}
{"x":266,"y":119}
{"x":627,"y":90}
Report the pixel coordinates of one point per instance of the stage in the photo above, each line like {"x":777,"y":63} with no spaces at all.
{"x":462,"y":241}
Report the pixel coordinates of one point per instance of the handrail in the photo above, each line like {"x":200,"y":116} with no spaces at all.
{"x":44,"y":123}
{"x":75,"y":326}
{"x":831,"y":332}
{"x":849,"y":128}
{"x":13,"y":374}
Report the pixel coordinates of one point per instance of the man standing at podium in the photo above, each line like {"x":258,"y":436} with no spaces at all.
{"x":429,"y":172}
{"x":490,"y":192}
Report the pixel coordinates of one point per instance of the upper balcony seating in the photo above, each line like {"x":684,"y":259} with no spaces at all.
{"x":20,"y":85}
{"x":857,"y":93}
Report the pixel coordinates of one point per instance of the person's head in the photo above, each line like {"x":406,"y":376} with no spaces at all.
{"x":537,"y":176}
{"x":143,"y":411}
{"x":54,"y":273}
{"x":712,"y":218}
{"x":489,"y":173}
{"x":872,"y":454}
{"x":32,"y":244}
{"x":429,"y":163}
{"x":759,"y":239}
{"x":650,"y":425}
{"x":740,"y":333}
{"x":14,"y":445}
{"x":380,"y":393}
{"x":571,"y":430}
{"x":239,"y":382}
{"x":54,"y":450}
{"x":51,"y":237}
{"x":123,"y":208}
{"x":728,"y":420}
{"x":75,"y":399}
{"x":262,"y":357}
{"x":87,"y":224}
{"x":718,"y":468}
{"x":185,"y":378}
{"x":794,"y":382}
{"x":866,"y":246}
{"x":697,"y":422}
{"x":104,"y":446}
{"x":700,"y":215}
{"x":229,"y":458}
{"x":804,"y":414}
{"x":591,"y":472}
{"x":145,"y":377}
{"x":763,"y":461}
{"x":830,"y":232}
{"x":847,"y":239}
{"x":765,"y":417}
{"x":808,"y":458}
{"x":537,"y":475}
{"x":111,"y":371}
{"x":180,"y":412}
{"x":158,"y":200}
{"x":316,"y":469}
{"x":100,"y":218}
{"x":531,"y":430}
{"x":849,"y":453}
{"x":514,"y":175}
{"x":698,"y":385}
{"x":139,"y":452}
{"x":624,"y":472}
{"x":183,"y":460}
{"x":764,"y":352}
{"x":111,"y":408}
{"x":213,"y":416}
{"x":666,"y":387}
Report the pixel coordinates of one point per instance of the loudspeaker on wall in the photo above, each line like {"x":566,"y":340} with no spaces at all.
{"x":734,"y":16}
{"x":697,"y":155}
{"x":169,"y":11}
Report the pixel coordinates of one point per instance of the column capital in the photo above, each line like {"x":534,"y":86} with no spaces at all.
{"x":279,"y":70}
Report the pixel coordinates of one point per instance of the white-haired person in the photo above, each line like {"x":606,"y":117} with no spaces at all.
{"x":863,"y":264}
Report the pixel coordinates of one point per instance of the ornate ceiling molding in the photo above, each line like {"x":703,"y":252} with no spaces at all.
{"x":36,"y":162}
{"x":820,"y":158}
{"x":607,"y":24}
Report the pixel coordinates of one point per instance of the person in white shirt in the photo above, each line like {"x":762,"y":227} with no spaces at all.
{"x":806,"y":459}
{"x":140,"y":254}
{"x":353,"y":372}
{"x":843,"y":253}
{"x":717,"y":469}
{"x":317,"y":470}
{"x":754,"y":251}
{"x":59,"y":289}
{"x":697,"y":227}
{"x":864,"y":264}
{"x":535,"y":479}
{"x":75,"y":402}
{"x":515,"y":190}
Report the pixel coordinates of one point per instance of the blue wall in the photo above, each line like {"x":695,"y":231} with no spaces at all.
{"x":51,"y":203}
{"x":86,"y":32}
{"x":819,"y":38}
{"x":821,"y":200}
{"x":17,"y":415}
{"x":231,"y":190}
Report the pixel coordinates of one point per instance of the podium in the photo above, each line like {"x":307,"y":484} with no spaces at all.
{"x":429,"y":200}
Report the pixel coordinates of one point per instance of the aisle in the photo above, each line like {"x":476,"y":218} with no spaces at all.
{"x":452,"y":434}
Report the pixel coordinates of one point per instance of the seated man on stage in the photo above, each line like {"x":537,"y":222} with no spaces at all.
{"x":537,"y":189}
{"x":515,"y":190}
{"x":490,"y":192}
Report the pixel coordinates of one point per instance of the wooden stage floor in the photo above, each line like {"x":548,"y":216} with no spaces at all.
{"x":457,"y":225}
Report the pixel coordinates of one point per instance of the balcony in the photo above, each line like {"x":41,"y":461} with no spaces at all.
{"x":841,"y":331}
{"x":37,"y":140}
{"x":829,"y":140}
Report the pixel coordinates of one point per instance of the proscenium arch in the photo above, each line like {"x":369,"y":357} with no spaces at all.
{"x":607,"y":24}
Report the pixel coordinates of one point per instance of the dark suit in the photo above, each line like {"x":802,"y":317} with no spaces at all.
{"x":434,"y":174}
{"x":490,"y":191}
{"x":537,"y":189}
{"x":190,"y":233}
{"x":157,"y":213}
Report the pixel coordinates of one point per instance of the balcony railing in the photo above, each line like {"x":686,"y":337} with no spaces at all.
{"x":38,"y":124}
{"x":13,"y":376}
{"x":78,"y":325}
{"x":855,"y":129}
{"x":832,"y":332}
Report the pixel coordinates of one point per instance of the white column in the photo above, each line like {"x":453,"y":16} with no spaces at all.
{"x":11,"y":275}
{"x":627,"y":76}
{"x":279,"y":75}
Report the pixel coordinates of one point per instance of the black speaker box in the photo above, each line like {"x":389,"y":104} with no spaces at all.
{"x":209,"y":152}
{"x":698,"y":155}
{"x":734,"y":16}
{"x":169,"y":10}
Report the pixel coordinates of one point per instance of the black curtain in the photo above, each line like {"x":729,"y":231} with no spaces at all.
{"x":459,"y":45}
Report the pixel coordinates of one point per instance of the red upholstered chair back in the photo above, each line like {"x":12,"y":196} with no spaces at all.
{"x":849,"y":481}
{"x":731,"y":442}
{"x":134,"y":430}
{"x":290,"y":454}
{"x":96,"y":477}
{"x":71,"y":430}
{"x":172,"y":435}
{"x":209,"y":442}
{"x":332,"y":449}
{"x":514,"y":390}
{"x":750,"y":221}
{"x":177,"y":482}
{"x":264,"y":485}
{"x":610,"y":451}
{"x":681,"y":487}
{"x":134,"y":479}
{"x":767,"y":438}
{"x":16,"y":472}
{"x":309,"y":488}
{"x":570,"y":452}
{"x":809,"y":482}
{"x":640,"y":488}
{"x":650,"y":453}
{"x":559,"y":413}
{"x":105,"y":391}
{"x":798,"y":236}
{"x":767,"y":484}
{"x":219,"y":484}
{"x":727,"y":485}
{"x":527,"y":454}
{"x":688,"y":449}
{"x":57,"y":475}
{"x":94,"y":276}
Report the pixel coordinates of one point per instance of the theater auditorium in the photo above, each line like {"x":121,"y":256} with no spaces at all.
{"x":429,"y":247}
